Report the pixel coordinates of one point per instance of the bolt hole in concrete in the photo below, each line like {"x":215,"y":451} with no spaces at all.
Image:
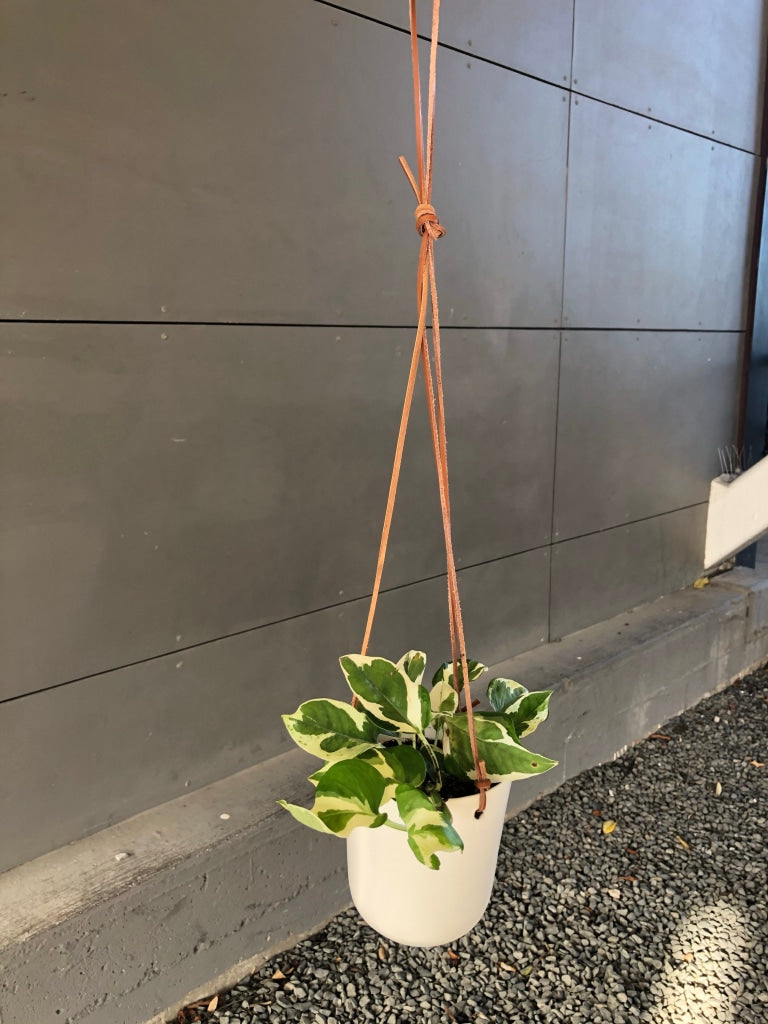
{"x":660,"y":917}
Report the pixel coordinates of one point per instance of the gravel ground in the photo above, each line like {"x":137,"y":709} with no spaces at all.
{"x":662,"y":919}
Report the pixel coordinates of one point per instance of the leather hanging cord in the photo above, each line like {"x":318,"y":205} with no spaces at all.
{"x":430,"y":229}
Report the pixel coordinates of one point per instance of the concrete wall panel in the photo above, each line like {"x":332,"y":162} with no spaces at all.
{"x":699,"y":66}
{"x":165,"y":487}
{"x":646,"y":440}
{"x":213,"y":163}
{"x":129,"y":739}
{"x":522,"y":34}
{"x":659,"y":225}
{"x":594,"y":577}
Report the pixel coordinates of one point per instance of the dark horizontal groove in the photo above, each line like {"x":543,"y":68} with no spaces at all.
{"x":537,"y":78}
{"x":621,"y":526}
{"x":253,"y":629}
{"x":290,"y":325}
{"x":635,"y":330}
{"x":667,"y":124}
{"x":329,"y":607}
{"x":443,"y":46}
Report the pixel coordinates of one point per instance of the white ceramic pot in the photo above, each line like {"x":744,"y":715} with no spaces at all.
{"x":408,"y":902}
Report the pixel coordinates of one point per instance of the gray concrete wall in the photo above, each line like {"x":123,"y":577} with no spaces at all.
{"x":205,"y":312}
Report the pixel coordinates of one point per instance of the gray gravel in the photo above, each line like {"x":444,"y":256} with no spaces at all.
{"x":662,"y":920}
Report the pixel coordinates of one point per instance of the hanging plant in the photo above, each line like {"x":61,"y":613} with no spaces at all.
{"x":397,"y":758}
{"x":412,"y":774}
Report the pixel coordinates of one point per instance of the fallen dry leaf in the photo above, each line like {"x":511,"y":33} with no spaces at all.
{"x":659,"y":736}
{"x":598,"y":814}
{"x":688,"y":957}
{"x":608,"y":827}
{"x":188,"y":1014}
{"x":452,"y":955}
{"x":278,"y":975}
{"x":682,"y":842}
{"x":701,"y":582}
{"x":628,"y":878}
{"x":213,"y":1004}
{"x":718,"y":788}
{"x":758,"y":764}
{"x":631,"y":852}
{"x":506,"y":967}
{"x":382,"y":953}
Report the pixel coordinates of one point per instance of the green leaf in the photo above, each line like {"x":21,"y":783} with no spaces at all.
{"x":443,"y":699}
{"x":502,"y":693}
{"x":413,"y":664}
{"x":445,"y":673}
{"x":348,"y":796}
{"x":383,"y":727}
{"x":331,"y":729}
{"x":429,"y":830}
{"x":306,"y":817}
{"x":385,"y":690}
{"x":497,"y":745}
{"x":394,"y":765}
{"x":529,"y":711}
{"x":398,"y":765}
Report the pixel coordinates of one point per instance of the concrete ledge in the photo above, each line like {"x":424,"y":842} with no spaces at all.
{"x":618,"y":681}
{"x":132,"y":923}
{"x":114,"y":928}
{"x":755,"y":584}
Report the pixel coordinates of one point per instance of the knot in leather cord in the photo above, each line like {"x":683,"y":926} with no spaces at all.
{"x":427,"y":222}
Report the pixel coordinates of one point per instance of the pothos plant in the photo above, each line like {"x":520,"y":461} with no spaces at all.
{"x":412,"y":745}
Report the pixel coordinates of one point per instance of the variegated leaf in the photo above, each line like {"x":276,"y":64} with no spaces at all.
{"x":429,"y":830}
{"x":387,"y":692}
{"x":413,"y":664}
{"x":445,"y":673}
{"x":394,"y":764}
{"x":331,"y":729}
{"x":504,"y":756}
{"x":502,"y":693}
{"x":397,"y":765}
{"x":443,"y":698}
{"x":349,"y":796}
{"x":306,"y":817}
{"x":529,"y":711}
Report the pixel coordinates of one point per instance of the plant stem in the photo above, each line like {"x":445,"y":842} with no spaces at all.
{"x":434,"y":760}
{"x":391,"y":824}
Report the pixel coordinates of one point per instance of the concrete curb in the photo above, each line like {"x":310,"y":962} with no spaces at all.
{"x":137,"y":920}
